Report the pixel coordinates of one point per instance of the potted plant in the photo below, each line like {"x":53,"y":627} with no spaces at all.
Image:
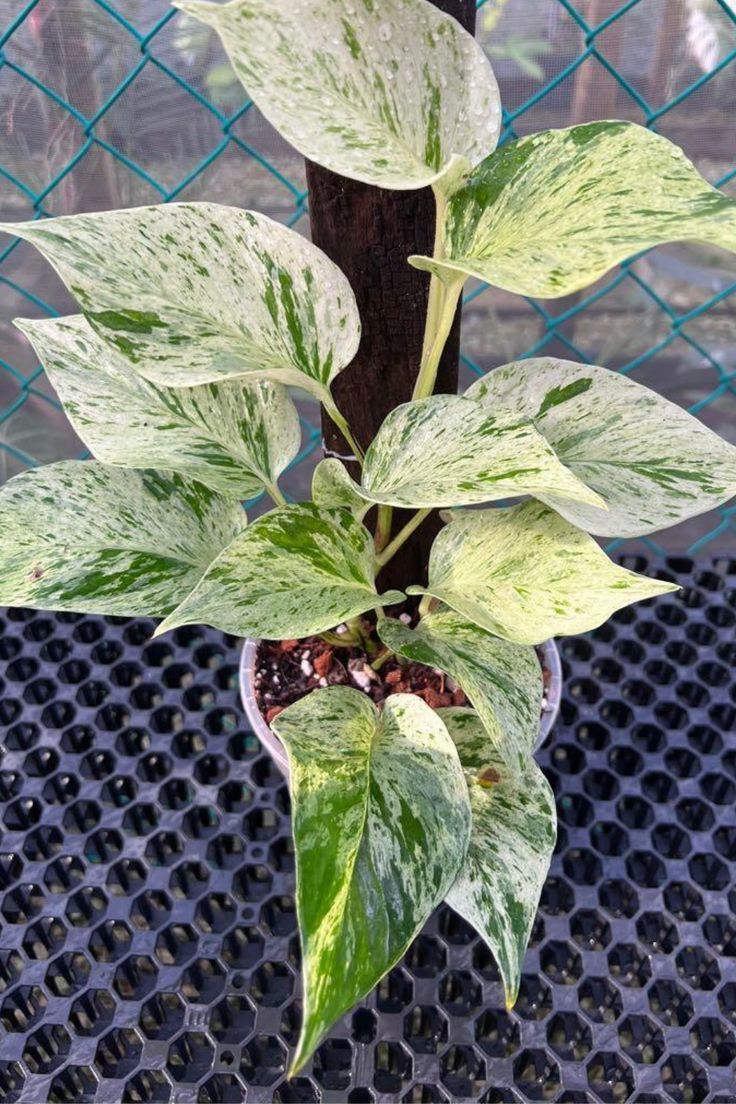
{"x":195,"y":319}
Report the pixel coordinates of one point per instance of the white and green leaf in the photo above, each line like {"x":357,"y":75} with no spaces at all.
{"x":511,"y":844}
{"x":525,"y":574}
{"x":550,"y":213}
{"x":501,"y":679}
{"x":447,"y":450}
{"x":296,"y":571}
{"x":192,"y":293}
{"x":332,"y":485}
{"x":390,"y":92}
{"x":652,"y":462}
{"x":85,"y":537}
{"x":236,"y":437}
{"x":381,"y":822}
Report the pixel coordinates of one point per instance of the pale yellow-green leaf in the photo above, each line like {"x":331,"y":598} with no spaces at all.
{"x":235,"y":437}
{"x":89,"y":538}
{"x":193,"y":293}
{"x":297,"y":571}
{"x":390,"y":92}
{"x":511,"y":843}
{"x":381,"y":823}
{"x":524,"y":573}
{"x":502,"y":680}
{"x":447,"y":450}
{"x":652,"y":463}
{"x":550,"y":213}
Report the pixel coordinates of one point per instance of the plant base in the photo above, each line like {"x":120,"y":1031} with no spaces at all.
{"x":274,"y":674}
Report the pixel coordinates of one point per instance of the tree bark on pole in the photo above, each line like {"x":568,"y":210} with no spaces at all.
{"x":369,"y":233}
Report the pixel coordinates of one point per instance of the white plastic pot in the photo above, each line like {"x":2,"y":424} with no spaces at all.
{"x":276,"y":750}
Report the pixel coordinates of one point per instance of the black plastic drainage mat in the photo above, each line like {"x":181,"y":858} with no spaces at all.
{"x":148,"y":947}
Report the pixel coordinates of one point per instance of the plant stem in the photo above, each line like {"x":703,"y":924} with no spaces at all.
{"x":274,"y":492}
{"x":438,"y":329}
{"x":385,"y":655}
{"x":383,"y":527}
{"x":441,"y":307}
{"x":329,"y":404}
{"x":355,"y":626}
{"x":427,"y":604}
{"x":401,"y":537}
{"x":339,"y":640}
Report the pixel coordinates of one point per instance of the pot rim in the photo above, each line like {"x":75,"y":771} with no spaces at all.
{"x":271,"y":742}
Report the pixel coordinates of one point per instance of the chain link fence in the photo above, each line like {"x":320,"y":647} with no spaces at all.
{"x":115,"y":103}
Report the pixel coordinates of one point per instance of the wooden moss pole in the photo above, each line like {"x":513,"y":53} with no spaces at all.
{"x":369,"y":232}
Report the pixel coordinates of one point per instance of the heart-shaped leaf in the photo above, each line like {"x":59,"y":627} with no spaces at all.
{"x":550,"y":213}
{"x":332,"y":485}
{"x":295,"y":571}
{"x":502,"y":680}
{"x":652,"y":462}
{"x":381,"y":823}
{"x":194,"y":293}
{"x":90,"y":538}
{"x":524,"y":573}
{"x":448,"y":450}
{"x":236,"y":438}
{"x":511,"y":844}
{"x":391,"y":92}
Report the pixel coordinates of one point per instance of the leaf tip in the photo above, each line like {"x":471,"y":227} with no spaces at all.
{"x":594,"y":499}
{"x":391,"y":598}
{"x":511,"y":977}
{"x":418,"y":260}
{"x":197,"y":9}
{"x":295,"y":1066}
{"x":163,"y":627}
{"x":23,"y":324}
{"x":16,"y":229}
{"x":667,"y":587}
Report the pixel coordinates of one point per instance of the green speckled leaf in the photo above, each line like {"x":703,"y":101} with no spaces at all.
{"x":511,"y":844}
{"x":234,"y":437}
{"x":652,"y":462}
{"x":332,"y":485}
{"x":195,"y":293}
{"x":295,"y":571}
{"x":450,"y":451}
{"x":90,"y":538}
{"x":381,"y":823}
{"x":391,"y":92}
{"x":550,"y":213}
{"x":524,"y":573}
{"x":502,"y":680}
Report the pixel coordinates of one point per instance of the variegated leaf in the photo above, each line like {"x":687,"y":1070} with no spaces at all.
{"x":332,"y":485}
{"x":390,"y":92}
{"x":652,"y":462}
{"x":524,"y":573}
{"x":381,"y":823}
{"x":447,"y":450}
{"x":502,"y":680}
{"x":194,"y":293}
{"x":511,"y":844}
{"x":550,"y":213}
{"x":90,"y":538}
{"x":235,"y":437}
{"x":295,"y":571}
